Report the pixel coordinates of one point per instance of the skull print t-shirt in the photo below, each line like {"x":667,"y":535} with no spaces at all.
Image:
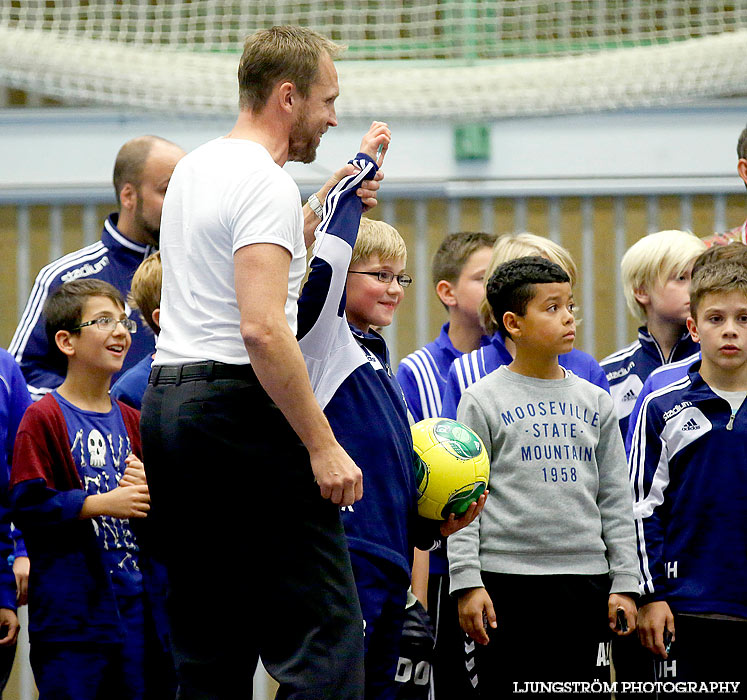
{"x":100,"y":444}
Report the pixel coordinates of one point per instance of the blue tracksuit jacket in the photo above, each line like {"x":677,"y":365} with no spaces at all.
{"x":628,"y":369}
{"x":687,"y":472}
{"x":422,"y":375}
{"x":131,"y":386}
{"x":354,"y":384}
{"x":474,"y":365}
{"x":658,"y":379}
{"x":113,"y":259}
{"x":14,"y":400}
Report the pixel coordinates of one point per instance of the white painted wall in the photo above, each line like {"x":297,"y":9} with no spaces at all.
{"x":693,"y":147}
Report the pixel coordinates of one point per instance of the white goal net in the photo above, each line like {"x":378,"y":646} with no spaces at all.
{"x":425,"y":59}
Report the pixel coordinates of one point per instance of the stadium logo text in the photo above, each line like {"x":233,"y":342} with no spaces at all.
{"x":86,"y":270}
{"x":676,"y":409}
{"x":616,"y":374}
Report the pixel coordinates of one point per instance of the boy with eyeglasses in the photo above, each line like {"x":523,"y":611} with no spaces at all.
{"x":77,"y":489}
{"x":356,"y":283}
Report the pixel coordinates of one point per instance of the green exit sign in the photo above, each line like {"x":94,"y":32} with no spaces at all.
{"x":472,"y":142}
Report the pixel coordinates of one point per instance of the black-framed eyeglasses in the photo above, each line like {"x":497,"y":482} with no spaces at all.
{"x":386,"y":276}
{"x":108,"y":324}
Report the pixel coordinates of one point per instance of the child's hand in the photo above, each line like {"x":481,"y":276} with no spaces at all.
{"x":122,"y":502}
{"x":134,"y":473}
{"x":454,"y":524}
{"x":127,"y":502}
{"x":9,"y":625}
{"x":653,"y":620}
{"x":620,"y":601}
{"x":21,"y":570}
{"x":475,"y":605}
{"x":366,"y":191}
{"x":377,"y":136}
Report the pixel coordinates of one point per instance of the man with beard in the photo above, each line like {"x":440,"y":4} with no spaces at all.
{"x":142,"y":172}
{"x":242,"y":464}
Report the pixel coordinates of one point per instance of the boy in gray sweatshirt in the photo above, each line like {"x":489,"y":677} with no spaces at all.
{"x":550,"y":566}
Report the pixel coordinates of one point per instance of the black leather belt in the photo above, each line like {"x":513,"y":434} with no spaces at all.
{"x":195,"y":371}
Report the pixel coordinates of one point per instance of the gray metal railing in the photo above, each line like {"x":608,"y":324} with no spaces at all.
{"x":479,"y":196}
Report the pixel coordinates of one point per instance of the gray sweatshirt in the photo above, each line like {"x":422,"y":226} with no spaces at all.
{"x":559,"y":497}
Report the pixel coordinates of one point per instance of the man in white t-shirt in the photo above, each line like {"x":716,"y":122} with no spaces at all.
{"x":246,"y":477}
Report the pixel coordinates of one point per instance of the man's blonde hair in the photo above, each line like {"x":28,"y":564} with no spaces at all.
{"x":521,"y":245}
{"x":656,"y":258}
{"x":278,"y":54}
{"x":145,"y":291}
{"x":378,"y":238}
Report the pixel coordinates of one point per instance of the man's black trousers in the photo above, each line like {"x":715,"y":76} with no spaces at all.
{"x":257,"y":559}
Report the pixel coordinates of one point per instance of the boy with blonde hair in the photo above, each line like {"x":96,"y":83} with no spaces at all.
{"x":145,"y":296}
{"x":656,"y":282}
{"x":687,"y":472}
{"x":666,"y":374}
{"x":470,"y":367}
{"x":356,"y":283}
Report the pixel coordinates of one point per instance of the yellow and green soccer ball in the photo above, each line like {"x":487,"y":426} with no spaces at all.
{"x":451,"y":467}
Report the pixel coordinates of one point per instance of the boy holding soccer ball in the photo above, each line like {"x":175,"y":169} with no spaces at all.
{"x":357,"y":281}
{"x":551,"y":564}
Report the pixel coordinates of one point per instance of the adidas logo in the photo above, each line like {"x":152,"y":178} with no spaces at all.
{"x":691,"y":425}
{"x":629,"y":395}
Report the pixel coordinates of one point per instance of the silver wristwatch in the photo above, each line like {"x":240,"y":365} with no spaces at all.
{"x":315,"y":204}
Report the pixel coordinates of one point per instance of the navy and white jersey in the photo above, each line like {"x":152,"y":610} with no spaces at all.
{"x":471,"y":366}
{"x":628,"y":369}
{"x":113,"y":259}
{"x":422,"y":375}
{"x":353,"y":382}
{"x":658,"y":379}
{"x":131,"y":385}
{"x":689,"y":481}
{"x":14,"y":400}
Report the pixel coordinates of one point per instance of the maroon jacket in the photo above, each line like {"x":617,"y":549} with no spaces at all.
{"x":42,"y":449}
{"x":71,"y":594}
